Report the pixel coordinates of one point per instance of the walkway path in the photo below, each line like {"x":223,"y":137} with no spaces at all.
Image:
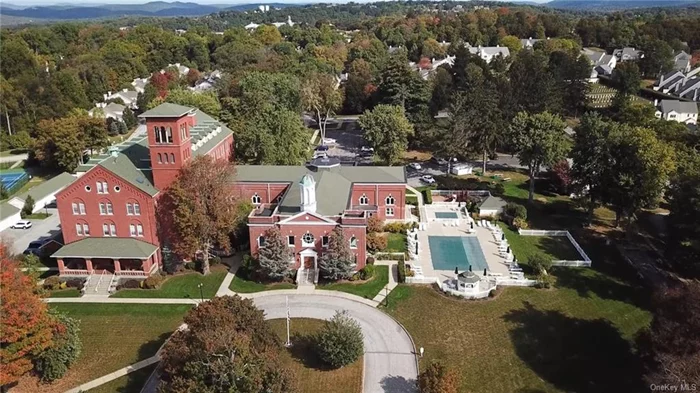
{"x":16,"y":157}
{"x":393,"y":279}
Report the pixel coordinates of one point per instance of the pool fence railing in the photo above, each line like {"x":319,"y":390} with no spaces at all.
{"x":584,"y":262}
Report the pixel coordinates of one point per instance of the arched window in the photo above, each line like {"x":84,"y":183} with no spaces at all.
{"x":133,"y":208}
{"x":169,"y":135}
{"x":390,"y":200}
{"x":102,"y":187}
{"x":156,"y":133}
{"x":161,"y":135}
{"x":364,"y":200}
{"x":136,"y":229}
{"x":353,"y":242}
{"x":172,"y":158}
{"x":82,"y":228}
{"x":78,"y":207}
{"x":160,"y":158}
{"x":256,"y":199}
{"x":109,"y":229}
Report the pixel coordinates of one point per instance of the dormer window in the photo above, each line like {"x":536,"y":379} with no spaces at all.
{"x":364,"y":200}
{"x":256,"y":199}
{"x":390,"y":200}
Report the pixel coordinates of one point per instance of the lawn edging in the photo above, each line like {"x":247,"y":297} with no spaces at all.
{"x":586,"y":262}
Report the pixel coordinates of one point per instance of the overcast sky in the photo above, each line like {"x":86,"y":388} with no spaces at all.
{"x":232,"y":2}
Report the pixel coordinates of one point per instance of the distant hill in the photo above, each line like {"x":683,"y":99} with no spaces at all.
{"x":155,"y":9}
{"x":616,"y":5}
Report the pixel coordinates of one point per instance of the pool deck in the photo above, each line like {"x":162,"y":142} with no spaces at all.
{"x":486,"y":241}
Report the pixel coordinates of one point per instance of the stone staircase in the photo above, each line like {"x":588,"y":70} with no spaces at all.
{"x":99,"y":284}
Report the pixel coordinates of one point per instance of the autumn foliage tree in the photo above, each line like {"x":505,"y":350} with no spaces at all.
{"x":26,"y":326}
{"x":438,"y":379}
{"x":196,"y":211}
{"x":561,"y":175}
{"x":226,"y":347}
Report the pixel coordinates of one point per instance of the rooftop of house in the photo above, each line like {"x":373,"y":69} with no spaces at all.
{"x":667,"y":106}
{"x":107,"y":247}
{"x":7,"y":210}
{"x":48,"y":187}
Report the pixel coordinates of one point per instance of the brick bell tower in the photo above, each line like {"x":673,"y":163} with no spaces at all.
{"x":169,"y":141}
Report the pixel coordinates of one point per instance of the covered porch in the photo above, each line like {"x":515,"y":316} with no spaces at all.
{"x":119,"y":256}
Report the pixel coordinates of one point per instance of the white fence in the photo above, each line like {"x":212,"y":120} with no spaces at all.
{"x":422,"y":280}
{"x":584,"y":262}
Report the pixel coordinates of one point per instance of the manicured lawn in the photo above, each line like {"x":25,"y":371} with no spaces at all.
{"x":577,"y":337}
{"x":368,"y":289}
{"x":37,"y":216}
{"x":132,"y":382}
{"x":242,"y":285}
{"x":313,"y":375}
{"x":113,"y":336}
{"x":181,"y":286}
{"x":69,"y":292}
{"x":396,"y":242}
{"x":411,"y":199}
{"x":556,"y":247}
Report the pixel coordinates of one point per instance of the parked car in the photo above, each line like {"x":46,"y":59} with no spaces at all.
{"x":34,"y":248}
{"x":24,"y":224}
{"x":415,"y":165}
{"x":320,"y":154}
{"x":321,"y":148}
{"x":329,"y":141}
{"x":367,"y":149}
{"x":427,"y":179}
{"x":439,"y":161}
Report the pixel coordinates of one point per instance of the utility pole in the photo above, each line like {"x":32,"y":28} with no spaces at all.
{"x":289,"y":317}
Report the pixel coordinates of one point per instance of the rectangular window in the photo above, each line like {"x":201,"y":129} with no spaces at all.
{"x":103,"y":210}
{"x":324,"y":241}
{"x":86,"y":230}
{"x":290,"y":241}
{"x":353,"y":242}
{"x":109,"y":208}
{"x":82,"y":208}
{"x":79,"y":229}
{"x":389,"y":211}
{"x":113,"y":230}
{"x":105,"y":229}
{"x":137,"y":209}
{"x":261,"y":241}
{"x":139,"y":230}
{"x":129,"y":209}
{"x":99,"y":187}
{"x":75,"y":208}
{"x":102,"y":187}
{"x":132,"y":230}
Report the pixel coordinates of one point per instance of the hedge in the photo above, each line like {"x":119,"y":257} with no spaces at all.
{"x":427,"y":196}
{"x":402,"y":271}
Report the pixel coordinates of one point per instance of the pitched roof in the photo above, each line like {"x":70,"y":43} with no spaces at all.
{"x":167,"y":109}
{"x":107,"y":247}
{"x":7,"y":211}
{"x":124,"y":167}
{"x":678,"y":106}
{"x":51,"y":186}
{"x":492,"y":203}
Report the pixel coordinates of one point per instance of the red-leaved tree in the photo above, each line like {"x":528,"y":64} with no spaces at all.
{"x":561,"y":173}
{"x":26,"y":328}
{"x":197,"y":211}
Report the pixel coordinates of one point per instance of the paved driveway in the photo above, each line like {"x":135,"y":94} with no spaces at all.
{"x":389,"y":362}
{"x":19,"y":239}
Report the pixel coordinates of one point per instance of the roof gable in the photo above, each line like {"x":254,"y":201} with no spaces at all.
{"x":307,"y":218}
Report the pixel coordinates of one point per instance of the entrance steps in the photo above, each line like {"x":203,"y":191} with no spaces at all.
{"x":99,"y":284}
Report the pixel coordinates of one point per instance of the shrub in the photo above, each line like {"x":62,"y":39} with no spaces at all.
{"x":520,"y":223}
{"x":367,"y":272}
{"x":53,"y":362}
{"x":370,"y":260}
{"x":401,"y":270}
{"x":129,"y":284}
{"x":215,"y":260}
{"x":492,"y":293}
{"x":427,"y":196}
{"x":498,"y":189}
{"x":52,"y":283}
{"x":28,"y":207}
{"x":544,"y":281}
{"x":374,"y":224}
{"x":75,"y":283}
{"x":153,"y":282}
{"x":191,"y":265}
{"x":355,"y":277}
{"x":376,"y":242}
{"x":540,"y":263}
{"x":398,"y":227}
{"x":438,"y":379}
{"x":515,"y":210}
{"x":340,"y":341}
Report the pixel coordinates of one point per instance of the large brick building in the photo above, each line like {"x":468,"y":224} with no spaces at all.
{"x":108,"y":214}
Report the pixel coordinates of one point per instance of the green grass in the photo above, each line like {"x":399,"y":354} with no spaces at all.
{"x":313,"y":375}
{"x":6,"y":165}
{"x":396,"y":242}
{"x":368,"y":289}
{"x":132,"y":382}
{"x":69,"y":292}
{"x":242,"y":285}
{"x":113,"y":336}
{"x":12,"y":152}
{"x":411,"y":199}
{"x":181,"y":286}
{"x":37,"y":216}
{"x":556,"y":247}
{"x":577,"y":337}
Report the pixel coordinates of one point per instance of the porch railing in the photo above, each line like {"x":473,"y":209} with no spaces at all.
{"x":132,"y":273}
{"x":100,"y":280}
{"x":109,"y":288}
{"x":85,"y":284}
{"x":75,"y":272}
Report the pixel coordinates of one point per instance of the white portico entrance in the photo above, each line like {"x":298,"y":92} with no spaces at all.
{"x":308,"y":269}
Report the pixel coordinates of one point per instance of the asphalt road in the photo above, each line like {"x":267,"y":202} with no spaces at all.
{"x":389,"y":362}
{"x":19,"y":239}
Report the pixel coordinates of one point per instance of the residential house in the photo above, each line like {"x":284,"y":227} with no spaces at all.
{"x":127,"y":96}
{"x":488,"y":53}
{"x":251,"y":26}
{"x":681,"y":84}
{"x":108,"y":111}
{"x":680,"y":111}
{"x":603,"y":63}
{"x":628,"y":54}
{"x":529,"y":43}
{"x":182,"y":70}
{"x":427,"y":67}
{"x":681,"y":62}
{"x":139,"y":84}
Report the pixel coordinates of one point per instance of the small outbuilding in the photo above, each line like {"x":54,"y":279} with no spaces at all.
{"x":43,"y":194}
{"x":491,"y":206}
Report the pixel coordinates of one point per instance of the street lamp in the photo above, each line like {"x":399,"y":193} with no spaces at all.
{"x":201,"y":292}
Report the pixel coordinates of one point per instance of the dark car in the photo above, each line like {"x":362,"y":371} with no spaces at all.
{"x":321,"y":148}
{"x":34,"y":248}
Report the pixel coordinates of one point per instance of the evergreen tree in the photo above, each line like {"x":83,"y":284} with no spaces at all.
{"x":274,"y":255}
{"x":54,"y":362}
{"x":122,"y":128}
{"x":129,"y":117}
{"x":28,"y":207}
{"x":340,"y":341}
{"x":336,"y":262}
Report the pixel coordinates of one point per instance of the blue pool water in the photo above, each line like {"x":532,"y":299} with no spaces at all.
{"x":448,"y":252}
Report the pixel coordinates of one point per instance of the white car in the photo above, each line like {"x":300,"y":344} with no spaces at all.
{"x":367,"y":149}
{"x":415,"y":165}
{"x":427,"y":179}
{"x":329,"y":141}
{"x":24,"y":224}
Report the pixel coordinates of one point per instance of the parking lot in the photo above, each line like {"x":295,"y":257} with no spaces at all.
{"x":19,"y":239}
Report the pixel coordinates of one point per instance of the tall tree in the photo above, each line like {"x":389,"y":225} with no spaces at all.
{"x":358,"y":88}
{"x":93,"y":131}
{"x":657,"y":59}
{"x":402,"y":86}
{"x":274,"y":255}
{"x":27,"y":328}
{"x":196,"y":212}
{"x":532,"y":85}
{"x":387,"y":129}
{"x":627,"y":78}
{"x":227,"y":347}
{"x":337,"y":261}
{"x":538,"y":140}
{"x":59,"y":144}
{"x":206,"y":101}
{"x":321,"y":95}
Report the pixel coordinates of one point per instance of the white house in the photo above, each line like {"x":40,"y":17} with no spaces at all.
{"x":9,"y":215}
{"x":488,"y":53}
{"x":679,"y":111}
{"x":628,"y":54}
{"x":181,"y":69}
{"x":427,"y":70}
{"x":44,"y":193}
{"x":251,"y":26}
{"x":603,"y":63}
{"x":491,"y":206}
{"x":127,"y":96}
{"x":682,"y":84}
{"x":108,"y":111}
{"x":139,"y":84}
{"x":681,"y":62}
{"x":529,"y":43}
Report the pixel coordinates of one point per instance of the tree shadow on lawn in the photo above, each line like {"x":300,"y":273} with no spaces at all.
{"x":303,"y":350}
{"x":575,"y":355}
{"x":150,"y":347}
{"x":586,"y":283}
{"x":398,"y":384}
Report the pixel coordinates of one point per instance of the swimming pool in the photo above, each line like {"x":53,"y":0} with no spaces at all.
{"x":448,"y":252}
{"x":446,"y":215}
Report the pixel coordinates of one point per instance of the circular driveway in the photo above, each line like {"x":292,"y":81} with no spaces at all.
{"x":389,"y":362}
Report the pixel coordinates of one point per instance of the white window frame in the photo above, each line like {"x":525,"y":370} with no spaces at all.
{"x":255,"y":198}
{"x":137,"y":209}
{"x":110,"y":209}
{"x":74,"y":205}
{"x":81,"y":206}
{"x":390,"y":200}
{"x":102,"y":187}
{"x":389,"y":212}
{"x":129,"y":209}
{"x":364,"y":200}
{"x":139,"y":230}
{"x":291,"y":241}
{"x":351,"y":242}
{"x":105,"y":229}
{"x":86,"y":230}
{"x":79,"y":229}
{"x":103,"y":209}
{"x":132,"y":230}
{"x":304,"y":243}
{"x":261,"y":241}
{"x":325,"y":241}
